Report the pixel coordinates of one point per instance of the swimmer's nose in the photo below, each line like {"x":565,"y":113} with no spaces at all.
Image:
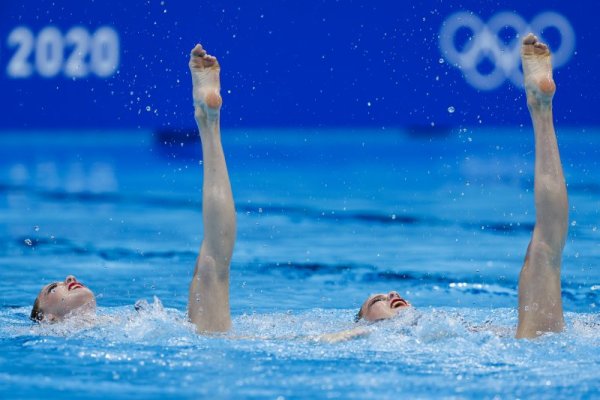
{"x":70,"y":279}
{"x":393,"y":295}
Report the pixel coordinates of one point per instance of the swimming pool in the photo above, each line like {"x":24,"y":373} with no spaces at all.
{"x":324,"y":218}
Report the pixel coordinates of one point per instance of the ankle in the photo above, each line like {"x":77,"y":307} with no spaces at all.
{"x":206,"y":115}
{"x":539,"y":107}
{"x":208,"y":127}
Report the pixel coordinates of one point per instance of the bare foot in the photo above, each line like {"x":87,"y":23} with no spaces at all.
{"x":537,"y":70}
{"x":206,"y":85}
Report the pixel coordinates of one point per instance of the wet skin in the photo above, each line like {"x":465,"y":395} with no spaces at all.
{"x":60,"y":299}
{"x":382,"y":306}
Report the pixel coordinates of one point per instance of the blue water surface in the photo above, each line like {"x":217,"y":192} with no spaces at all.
{"x":325,"y":218}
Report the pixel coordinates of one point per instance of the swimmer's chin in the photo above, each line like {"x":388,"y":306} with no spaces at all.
{"x":398,"y":311}
{"x":84,"y":313}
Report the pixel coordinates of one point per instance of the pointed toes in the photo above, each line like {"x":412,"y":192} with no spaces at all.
{"x":528,"y":44}
{"x":198,"y":51}
{"x":529,"y":39}
{"x":532,"y":46}
{"x":199,"y":57}
{"x":209,"y":61}
{"x":540,"y":48}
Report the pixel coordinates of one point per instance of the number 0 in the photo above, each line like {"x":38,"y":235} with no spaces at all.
{"x":49,"y":52}
{"x":105,"y":52}
{"x":102,"y":48}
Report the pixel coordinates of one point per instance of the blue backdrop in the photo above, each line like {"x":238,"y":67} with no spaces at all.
{"x":99,"y":64}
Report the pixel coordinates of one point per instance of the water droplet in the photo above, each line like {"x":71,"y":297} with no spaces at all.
{"x":148,"y":108}
{"x":441,"y":60}
{"x":573,"y":223}
{"x":36,"y":228}
{"x":451,"y":109}
{"x":28,"y":242}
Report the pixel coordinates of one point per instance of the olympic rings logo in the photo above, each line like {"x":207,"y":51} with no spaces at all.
{"x":486,"y":43}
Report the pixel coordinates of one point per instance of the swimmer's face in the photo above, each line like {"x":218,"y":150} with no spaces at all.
{"x":382,"y":306}
{"x":59,"y":299}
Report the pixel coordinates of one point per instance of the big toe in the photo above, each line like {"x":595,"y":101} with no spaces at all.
{"x":198,"y":51}
{"x":529,"y":45}
{"x":529,"y":39}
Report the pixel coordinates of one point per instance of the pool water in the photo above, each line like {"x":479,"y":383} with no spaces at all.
{"x":325,"y":218}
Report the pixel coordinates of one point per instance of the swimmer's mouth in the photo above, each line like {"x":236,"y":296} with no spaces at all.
{"x":74,"y":285}
{"x":397,"y":303}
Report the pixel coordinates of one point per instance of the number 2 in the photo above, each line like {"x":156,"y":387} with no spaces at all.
{"x":75,"y":66}
{"x":96,"y":54}
{"x":19,"y":67}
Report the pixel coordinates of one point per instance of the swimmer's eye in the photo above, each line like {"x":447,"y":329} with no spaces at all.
{"x":375,"y":300}
{"x":51,"y":288}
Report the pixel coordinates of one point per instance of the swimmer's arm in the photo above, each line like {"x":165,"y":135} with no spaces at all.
{"x":488,"y":327}
{"x":343,"y":336}
{"x":335,"y":337}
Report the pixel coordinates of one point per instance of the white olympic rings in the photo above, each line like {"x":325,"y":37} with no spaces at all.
{"x":485,"y":43}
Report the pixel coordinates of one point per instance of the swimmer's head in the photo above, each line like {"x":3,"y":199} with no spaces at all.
{"x":381,"y":306}
{"x":59,"y":299}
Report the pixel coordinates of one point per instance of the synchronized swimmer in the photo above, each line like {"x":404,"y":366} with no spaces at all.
{"x":539,"y":305}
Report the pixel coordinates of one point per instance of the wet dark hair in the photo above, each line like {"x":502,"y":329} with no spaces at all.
{"x":358,"y":315}
{"x":36,"y":312}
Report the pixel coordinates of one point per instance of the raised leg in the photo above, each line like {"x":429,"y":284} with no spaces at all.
{"x":540,"y":304}
{"x":208,"y":306}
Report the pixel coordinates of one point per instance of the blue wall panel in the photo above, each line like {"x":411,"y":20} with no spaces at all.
{"x":100,"y":64}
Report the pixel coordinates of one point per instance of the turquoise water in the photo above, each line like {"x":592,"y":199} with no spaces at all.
{"x":324,"y":219}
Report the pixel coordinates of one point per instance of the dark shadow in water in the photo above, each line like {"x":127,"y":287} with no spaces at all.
{"x":292,"y":212}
